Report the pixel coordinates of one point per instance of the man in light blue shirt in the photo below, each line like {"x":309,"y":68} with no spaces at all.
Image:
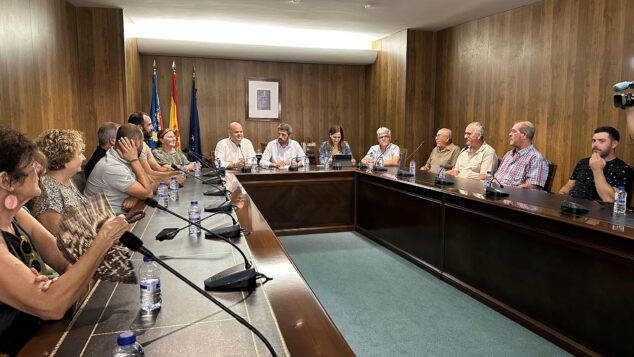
{"x":284,"y":151}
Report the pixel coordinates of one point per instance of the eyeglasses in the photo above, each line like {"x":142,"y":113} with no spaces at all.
{"x":29,"y":254}
{"x":384,"y":137}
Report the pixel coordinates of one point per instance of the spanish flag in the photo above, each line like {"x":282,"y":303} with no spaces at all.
{"x":174,"y":121}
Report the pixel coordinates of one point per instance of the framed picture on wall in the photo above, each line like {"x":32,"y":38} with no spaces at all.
{"x":263,"y":99}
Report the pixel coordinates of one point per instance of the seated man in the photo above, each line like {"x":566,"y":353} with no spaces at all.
{"x":599,"y":176}
{"x":235,"y":151}
{"x":385,"y":150}
{"x":284,"y":151}
{"x":523,"y":166}
{"x":119,"y":174}
{"x":477,"y":157}
{"x":107,"y":135}
{"x":445,"y":153}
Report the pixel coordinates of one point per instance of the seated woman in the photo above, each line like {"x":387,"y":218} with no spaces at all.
{"x":334,"y":146}
{"x":385,"y":151}
{"x":26,"y":296}
{"x":64,"y":152}
{"x":167,"y":153}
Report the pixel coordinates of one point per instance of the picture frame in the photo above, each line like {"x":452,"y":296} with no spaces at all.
{"x":263,"y":99}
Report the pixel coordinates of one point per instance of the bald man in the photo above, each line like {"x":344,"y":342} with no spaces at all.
{"x":445,"y":153}
{"x":235,"y":151}
{"x":523,"y":166}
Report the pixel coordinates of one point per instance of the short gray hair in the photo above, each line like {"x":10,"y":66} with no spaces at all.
{"x":106,"y":131}
{"x":286,"y":127}
{"x":478,"y":128}
{"x":383,"y":130}
{"x":527,"y":128}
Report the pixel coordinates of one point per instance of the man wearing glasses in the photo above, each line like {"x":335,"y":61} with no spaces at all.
{"x":445,"y":153}
{"x":385,"y":151}
{"x":477,"y":157}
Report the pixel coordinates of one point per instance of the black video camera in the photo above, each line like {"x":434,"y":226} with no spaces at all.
{"x":623,"y":100}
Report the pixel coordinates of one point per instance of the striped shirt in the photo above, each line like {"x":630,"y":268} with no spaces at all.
{"x":529,"y":167}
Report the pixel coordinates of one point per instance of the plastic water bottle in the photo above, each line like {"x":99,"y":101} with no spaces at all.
{"x":326,"y":163}
{"x":379,"y":161}
{"x":488,"y":179}
{"x":254,"y":164}
{"x":150,"y":277}
{"x":127,"y":346}
{"x":163,"y":199}
{"x":174,"y":189}
{"x":306,"y":163}
{"x":371,"y":161}
{"x":197,"y":169}
{"x":620,"y":197}
{"x":217,"y":162}
{"x":182,"y":170}
{"x":441,"y":172}
{"x":412,"y":167}
{"x":194,"y":216}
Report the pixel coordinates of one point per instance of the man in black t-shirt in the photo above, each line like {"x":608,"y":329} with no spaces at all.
{"x":107,"y":135}
{"x":599,"y":176}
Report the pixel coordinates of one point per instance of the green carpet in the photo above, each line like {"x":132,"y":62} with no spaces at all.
{"x":386,"y":306}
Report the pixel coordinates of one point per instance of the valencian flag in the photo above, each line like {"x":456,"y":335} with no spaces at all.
{"x":155,"y":113}
{"x":174,"y":122}
{"x":195,"y":151}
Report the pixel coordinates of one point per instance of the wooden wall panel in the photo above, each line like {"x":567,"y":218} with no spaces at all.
{"x":419,"y":94}
{"x":38,"y":59}
{"x":385,"y":85}
{"x":314,"y":97}
{"x":101,"y":70}
{"x":552,"y":62}
{"x":132,"y":86}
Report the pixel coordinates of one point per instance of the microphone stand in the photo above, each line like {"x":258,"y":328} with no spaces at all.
{"x":232,"y":279}
{"x":404,"y":173}
{"x":572,"y":207}
{"x":494,"y":191}
{"x":218,"y":191}
{"x":133,"y":243}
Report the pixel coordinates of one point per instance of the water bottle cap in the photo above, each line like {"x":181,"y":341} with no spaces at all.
{"x":488,"y":172}
{"x":163,"y":183}
{"x":621,"y":188}
{"x":194,"y":203}
{"x":173,"y":177}
{"x":126,"y":338}
{"x":147,"y":259}
{"x":443,"y":166}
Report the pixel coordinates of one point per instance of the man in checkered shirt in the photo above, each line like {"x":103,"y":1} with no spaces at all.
{"x":523,"y":166}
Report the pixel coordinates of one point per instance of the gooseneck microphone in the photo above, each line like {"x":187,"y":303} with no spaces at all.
{"x":132,"y":242}
{"x":232,"y":279}
{"x":217,"y":191}
{"x":402,"y":161}
{"x":494,"y":191}
{"x":568,"y":206}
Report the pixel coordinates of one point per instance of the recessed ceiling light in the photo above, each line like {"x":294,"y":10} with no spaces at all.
{"x":294,"y":2}
{"x":367,"y":6}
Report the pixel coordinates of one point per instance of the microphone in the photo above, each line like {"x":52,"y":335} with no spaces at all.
{"x":246,"y":167}
{"x":494,"y":191}
{"x":402,"y":172}
{"x":572,"y":207}
{"x":294,"y":167}
{"x":623,"y":86}
{"x":204,"y":159}
{"x":232,"y":279}
{"x":218,"y":191}
{"x":132,"y":242}
{"x":170,"y":233}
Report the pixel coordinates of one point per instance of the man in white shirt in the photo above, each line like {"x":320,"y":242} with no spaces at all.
{"x":235,"y":151}
{"x":284,"y":151}
{"x":477,"y":157}
{"x":385,"y":151}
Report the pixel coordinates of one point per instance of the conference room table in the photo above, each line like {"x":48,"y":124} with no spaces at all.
{"x":567,"y":277}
